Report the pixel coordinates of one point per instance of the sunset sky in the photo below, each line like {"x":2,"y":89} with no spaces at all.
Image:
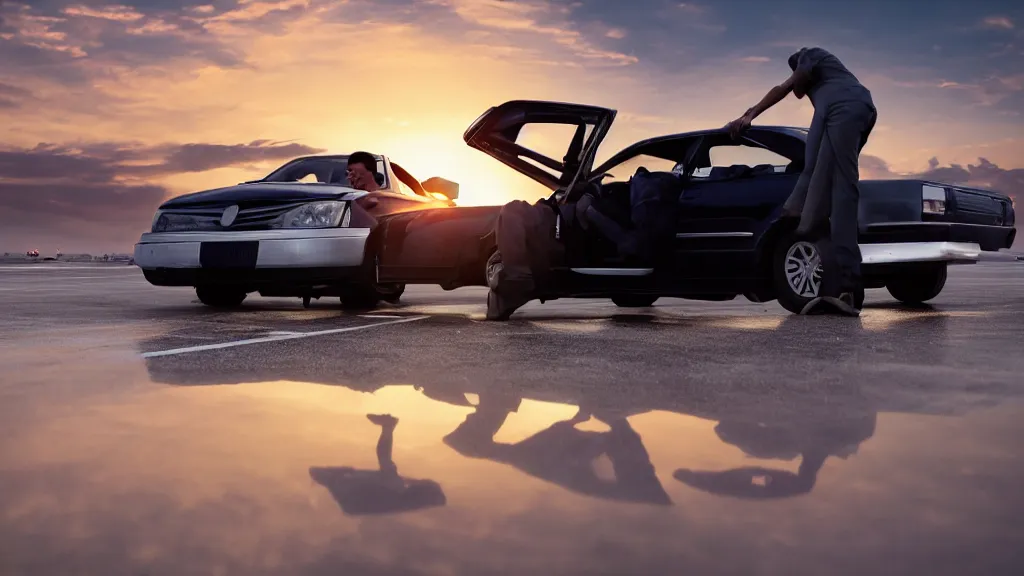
{"x":108,"y":108}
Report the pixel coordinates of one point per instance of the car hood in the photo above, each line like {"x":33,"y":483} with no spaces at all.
{"x":263,"y":191}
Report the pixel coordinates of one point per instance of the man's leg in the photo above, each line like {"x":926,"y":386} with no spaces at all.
{"x":385,"y":441}
{"x":795,"y":203}
{"x":513,"y":282}
{"x":814,"y":224}
{"x":846,"y":132}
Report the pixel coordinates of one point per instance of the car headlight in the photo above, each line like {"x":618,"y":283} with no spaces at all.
{"x":171,"y":222}
{"x":933,"y":199}
{"x":326,"y":214}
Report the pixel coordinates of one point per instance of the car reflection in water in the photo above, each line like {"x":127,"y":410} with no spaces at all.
{"x":810,"y":416}
{"x":381,"y":491}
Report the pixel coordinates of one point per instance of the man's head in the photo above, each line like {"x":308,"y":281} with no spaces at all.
{"x":361,"y":171}
{"x":794,"y":59}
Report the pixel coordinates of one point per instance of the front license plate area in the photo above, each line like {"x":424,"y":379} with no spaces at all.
{"x":241,"y":255}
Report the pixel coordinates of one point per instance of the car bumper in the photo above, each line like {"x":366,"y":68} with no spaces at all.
{"x":908,"y":252}
{"x":989,"y":238}
{"x":281,"y":256}
{"x":328,"y":248}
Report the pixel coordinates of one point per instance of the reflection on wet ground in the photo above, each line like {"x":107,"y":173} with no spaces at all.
{"x":580,"y":440}
{"x":278,"y":477}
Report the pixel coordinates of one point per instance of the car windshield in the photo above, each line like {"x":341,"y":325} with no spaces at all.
{"x":322,"y":170}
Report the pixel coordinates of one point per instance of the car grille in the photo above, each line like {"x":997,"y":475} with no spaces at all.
{"x":251,"y":216}
{"x":994,"y":210}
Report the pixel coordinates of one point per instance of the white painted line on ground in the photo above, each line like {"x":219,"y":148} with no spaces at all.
{"x":275,"y":338}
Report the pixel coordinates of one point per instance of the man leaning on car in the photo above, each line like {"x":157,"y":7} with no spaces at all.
{"x":362,"y":171}
{"x":827,"y":194}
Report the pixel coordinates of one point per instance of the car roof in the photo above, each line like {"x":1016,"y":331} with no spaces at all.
{"x":670,"y":139}
{"x":787,"y":130}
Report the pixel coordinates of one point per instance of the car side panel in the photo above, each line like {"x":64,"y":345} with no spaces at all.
{"x":435,"y":246}
{"x":721,"y":223}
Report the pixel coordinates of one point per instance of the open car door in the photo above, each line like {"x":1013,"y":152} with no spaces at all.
{"x":497,"y":131}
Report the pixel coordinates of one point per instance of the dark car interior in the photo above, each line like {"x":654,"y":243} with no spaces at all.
{"x":326,"y":170}
{"x":597,"y":246}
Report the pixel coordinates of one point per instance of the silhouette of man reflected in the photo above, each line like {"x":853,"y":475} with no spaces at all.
{"x":379,"y":491}
{"x":563,"y":454}
{"x":812,"y":439}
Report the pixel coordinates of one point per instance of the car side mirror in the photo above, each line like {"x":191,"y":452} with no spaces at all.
{"x":436,"y":185}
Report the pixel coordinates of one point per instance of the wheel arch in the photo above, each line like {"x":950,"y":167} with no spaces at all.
{"x":763,"y":290}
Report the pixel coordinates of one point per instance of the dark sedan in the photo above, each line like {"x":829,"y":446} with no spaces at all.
{"x":731,"y":236}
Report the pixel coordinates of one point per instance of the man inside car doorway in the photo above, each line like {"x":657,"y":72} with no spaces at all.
{"x":362,"y":172}
{"x":826,"y":196}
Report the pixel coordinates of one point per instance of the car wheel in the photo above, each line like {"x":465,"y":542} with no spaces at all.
{"x":634,"y":300}
{"x":360,"y":297}
{"x":919,"y":286}
{"x":796,"y":273}
{"x":390,"y":292}
{"x":220,"y":297}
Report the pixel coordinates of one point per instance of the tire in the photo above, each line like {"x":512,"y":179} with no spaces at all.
{"x":634,"y":300}
{"x":360,"y":297}
{"x":919,"y":286}
{"x":796,"y":273}
{"x":220,"y":297}
{"x":391,"y":292}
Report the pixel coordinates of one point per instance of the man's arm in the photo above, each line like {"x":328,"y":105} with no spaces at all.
{"x":773,"y":97}
{"x":802,"y":63}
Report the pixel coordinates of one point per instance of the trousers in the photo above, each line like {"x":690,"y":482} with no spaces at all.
{"x":827,"y":195}
{"x":525,"y":235}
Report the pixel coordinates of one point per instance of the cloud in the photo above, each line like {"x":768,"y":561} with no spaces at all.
{"x":203,"y":157}
{"x":115,"y":13}
{"x":998,"y":22}
{"x":97,"y":191}
{"x":988,"y":91}
{"x":12,"y":96}
{"x":105,"y":162}
{"x":984,"y":174}
{"x":541,"y":18}
{"x":755,"y":59}
{"x":81,"y":41}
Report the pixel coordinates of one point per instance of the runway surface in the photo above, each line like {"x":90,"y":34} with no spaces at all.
{"x":142,"y":433}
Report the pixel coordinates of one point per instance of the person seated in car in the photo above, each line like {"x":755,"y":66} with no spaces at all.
{"x":362,"y":172}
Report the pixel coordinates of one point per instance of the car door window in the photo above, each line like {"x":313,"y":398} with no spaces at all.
{"x":746,"y":155}
{"x":382,"y":176}
{"x":622,"y":172}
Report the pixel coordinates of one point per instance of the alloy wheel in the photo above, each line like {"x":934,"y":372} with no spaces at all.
{"x":803,"y":269}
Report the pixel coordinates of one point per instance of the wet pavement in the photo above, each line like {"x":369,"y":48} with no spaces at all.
{"x":141,"y":433}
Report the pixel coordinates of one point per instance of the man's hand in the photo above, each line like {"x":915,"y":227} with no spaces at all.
{"x":738,"y":126}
